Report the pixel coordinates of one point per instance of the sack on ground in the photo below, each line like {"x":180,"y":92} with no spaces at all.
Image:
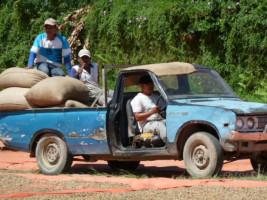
{"x":56,"y":90}
{"x":19,"y":77}
{"x":13,"y":99}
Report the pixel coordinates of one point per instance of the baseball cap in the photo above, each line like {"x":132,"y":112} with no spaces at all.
{"x":51,"y":21}
{"x":145,"y":79}
{"x":84,"y":52}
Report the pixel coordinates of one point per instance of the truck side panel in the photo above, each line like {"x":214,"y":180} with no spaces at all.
{"x":178,"y":115}
{"x":84,"y":130}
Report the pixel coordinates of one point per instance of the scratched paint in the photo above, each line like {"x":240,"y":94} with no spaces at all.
{"x":83,"y":143}
{"x":5,"y":138}
{"x":98,"y":134}
{"x":237,"y":106}
{"x":214,"y":116}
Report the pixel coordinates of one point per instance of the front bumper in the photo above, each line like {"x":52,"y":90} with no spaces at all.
{"x":249,"y":142}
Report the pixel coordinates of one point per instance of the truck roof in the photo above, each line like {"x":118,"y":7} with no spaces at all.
{"x":164,"y":69}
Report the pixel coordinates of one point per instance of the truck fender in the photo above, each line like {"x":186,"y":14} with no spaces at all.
{"x":191,"y":127}
{"x":39,"y":134}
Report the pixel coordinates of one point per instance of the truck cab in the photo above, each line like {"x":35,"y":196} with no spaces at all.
{"x":206,"y":121}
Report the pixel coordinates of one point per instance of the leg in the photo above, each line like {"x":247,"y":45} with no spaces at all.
{"x":156,"y":127}
{"x":56,"y":71}
{"x":44,"y":68}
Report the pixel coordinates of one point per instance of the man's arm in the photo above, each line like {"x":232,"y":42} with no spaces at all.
{"x":67,"y":63}
{"x":141,"y":116}
{"x":31,"y":59}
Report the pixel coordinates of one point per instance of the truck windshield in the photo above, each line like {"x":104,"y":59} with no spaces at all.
{"x":203,"y":83}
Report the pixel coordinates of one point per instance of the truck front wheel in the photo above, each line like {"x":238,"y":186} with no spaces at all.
{"x":123,"y":165}
{"x":52,"y":155}
{"x":259,"y":163}
{"x":203,"y":155}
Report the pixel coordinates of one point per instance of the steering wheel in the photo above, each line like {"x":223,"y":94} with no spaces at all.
{"x":162,"y":110}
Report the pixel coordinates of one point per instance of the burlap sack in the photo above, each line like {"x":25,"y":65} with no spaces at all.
{"x":19,"y":77}
{"x":13,"y":99}
{"x":75,"y":104}
{"x":56,"y":90}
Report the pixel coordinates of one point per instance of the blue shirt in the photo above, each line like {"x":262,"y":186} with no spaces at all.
{"x":51,"y":51}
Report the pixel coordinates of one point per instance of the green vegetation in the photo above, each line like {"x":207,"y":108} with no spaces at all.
{"x":229,"y":36}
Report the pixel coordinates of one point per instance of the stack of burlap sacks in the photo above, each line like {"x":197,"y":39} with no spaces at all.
{"x":26,"y":89}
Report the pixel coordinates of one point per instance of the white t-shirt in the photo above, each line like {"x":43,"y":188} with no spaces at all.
{"x":84,"y":76}
{"x":90,"y":80}
{"x":144,"y":103}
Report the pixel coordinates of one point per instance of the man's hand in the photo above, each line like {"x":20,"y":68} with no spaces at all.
{"x":141,"y":116}
{"x":155,"y":110}
{"x":80,"y":70}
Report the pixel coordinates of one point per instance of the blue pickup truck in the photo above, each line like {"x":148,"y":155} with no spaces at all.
{"x":206,"y":124}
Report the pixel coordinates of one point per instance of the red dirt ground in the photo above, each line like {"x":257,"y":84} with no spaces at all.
{"x":165,"y":173}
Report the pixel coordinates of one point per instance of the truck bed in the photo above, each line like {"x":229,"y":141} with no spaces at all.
{"x":83,"y":129}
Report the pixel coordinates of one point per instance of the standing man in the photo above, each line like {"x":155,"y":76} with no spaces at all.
{"x":146,"y":111}
{"x":49,"y":49}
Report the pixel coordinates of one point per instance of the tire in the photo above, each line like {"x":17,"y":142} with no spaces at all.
{"x":123,"y":165}
{"x":259,"y":163}
{"x":52,"y":155}
{"x":203,"y":155}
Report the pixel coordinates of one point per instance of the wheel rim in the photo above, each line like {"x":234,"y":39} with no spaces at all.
{"x":51,"y":153}
{"x":200,"y":156}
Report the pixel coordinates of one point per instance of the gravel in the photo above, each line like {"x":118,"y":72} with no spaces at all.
{"x":15,"y":184}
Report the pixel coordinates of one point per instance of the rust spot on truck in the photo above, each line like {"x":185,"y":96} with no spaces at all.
{"x":237,"y":136}
{"x":98,"y":134}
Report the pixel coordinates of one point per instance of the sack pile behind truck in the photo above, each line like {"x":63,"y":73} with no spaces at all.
{"x":25,"y":89}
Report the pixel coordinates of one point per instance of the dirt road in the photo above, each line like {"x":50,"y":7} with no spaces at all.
{"x":95,"y":180}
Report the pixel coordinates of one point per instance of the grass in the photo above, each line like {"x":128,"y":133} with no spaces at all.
{"x":11,"y":171}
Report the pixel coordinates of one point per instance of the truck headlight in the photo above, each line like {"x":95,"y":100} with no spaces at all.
{"x":239,"y":123}
{"x":250,"y":123}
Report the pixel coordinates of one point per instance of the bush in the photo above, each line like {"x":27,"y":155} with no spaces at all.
{"x":229,"y":36}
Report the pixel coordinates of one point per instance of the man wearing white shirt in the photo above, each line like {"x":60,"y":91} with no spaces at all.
{"x":87,"y":72}
{"x":146,"y":111}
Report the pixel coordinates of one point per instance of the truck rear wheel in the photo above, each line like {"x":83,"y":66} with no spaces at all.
{"x":52,"y":155}
{"x":123,"y":165}
{"x":259,"y":163}
{"x":203,"y":155}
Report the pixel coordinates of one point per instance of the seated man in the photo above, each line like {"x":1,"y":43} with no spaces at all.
{"x":146,"y":111}
{"x":87,"y":72}
{"x":49,"y":49}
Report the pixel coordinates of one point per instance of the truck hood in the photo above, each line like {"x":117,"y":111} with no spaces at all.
{"x":237,"y":106}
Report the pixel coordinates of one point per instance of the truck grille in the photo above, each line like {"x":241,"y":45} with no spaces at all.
{"x":262,"y":121}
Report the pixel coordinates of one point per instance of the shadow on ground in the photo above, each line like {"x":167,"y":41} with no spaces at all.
{"x":148,"y":171}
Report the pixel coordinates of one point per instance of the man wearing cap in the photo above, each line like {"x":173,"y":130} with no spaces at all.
{"x":49,"y":49}
{"x":87,"y":72}
{"x":146,"y":111}
{"x":86,"y":69}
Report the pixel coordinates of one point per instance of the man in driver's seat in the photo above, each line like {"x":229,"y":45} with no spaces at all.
{"x":146,"y":111}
